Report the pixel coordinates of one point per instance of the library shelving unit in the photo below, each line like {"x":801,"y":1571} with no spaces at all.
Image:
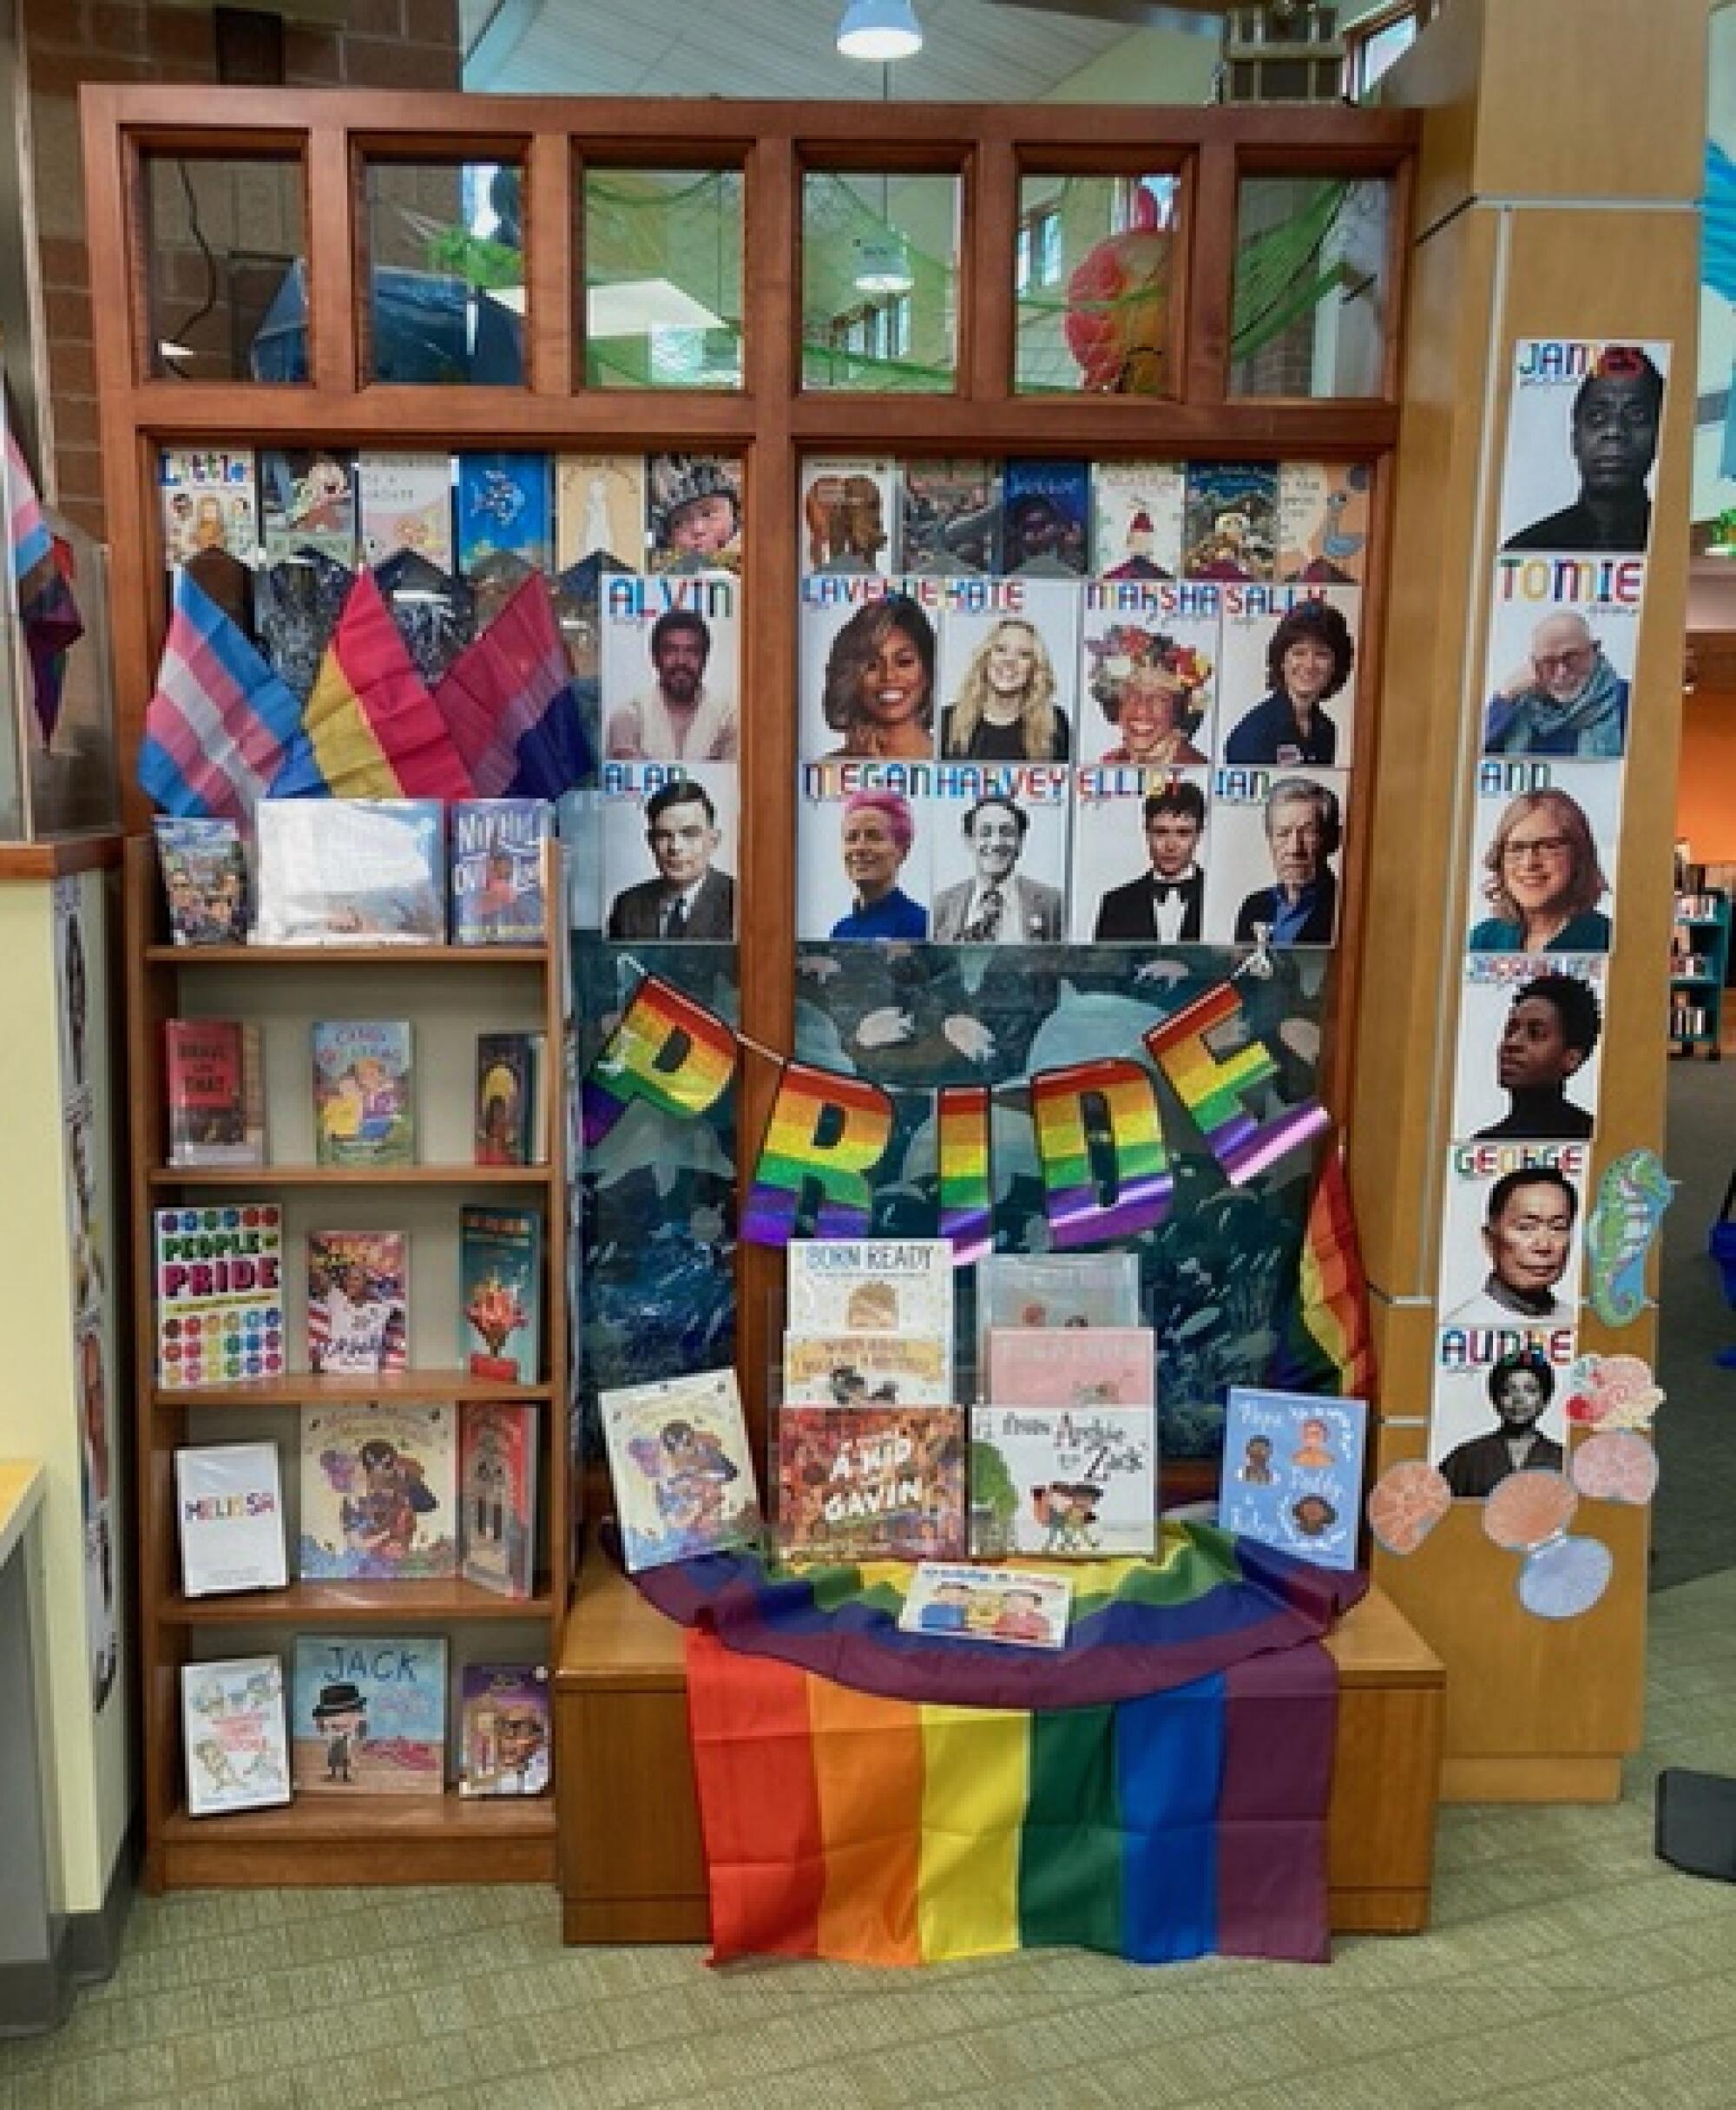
{"x":449,"y":994}
{"x":1699,"y":960}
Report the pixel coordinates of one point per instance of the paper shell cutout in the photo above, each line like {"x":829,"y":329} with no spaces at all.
{"x":1565,"y":1578}
{"x":1405,"y":1504}
{"x":1527,"y":1509}
{"x":1616,"y":1466}
{"x":1612,"y":1392}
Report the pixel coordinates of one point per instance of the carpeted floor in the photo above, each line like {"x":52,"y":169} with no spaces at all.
{"x":1568,"y":1970}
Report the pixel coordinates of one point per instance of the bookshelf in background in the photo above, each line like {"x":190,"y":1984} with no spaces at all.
{"x":1700,"y":962}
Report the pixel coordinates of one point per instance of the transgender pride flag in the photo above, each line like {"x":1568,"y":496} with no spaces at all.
{"x":221,"y":725}
{"x":508,"y":702}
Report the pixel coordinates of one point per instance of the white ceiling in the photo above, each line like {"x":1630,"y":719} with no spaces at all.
{"x":973,"y":51}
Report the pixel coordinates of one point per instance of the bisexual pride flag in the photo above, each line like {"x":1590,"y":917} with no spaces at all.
{"x":508,"y":702}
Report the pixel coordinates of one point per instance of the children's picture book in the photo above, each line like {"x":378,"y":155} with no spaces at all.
{"x":1230,"y":521}
{"x":497,"y":870}
{"x":871,"y":1286}
{"x":1032,"y":1290}
{"x":1136,"y":519}
{"x":1046,"y":519}
{"x":950,"y":523}
{"x":693,"y":512}
{"x":845,"y":1370}
{"x":357,"y":1302}
{"x":1062,"y":1481}
{"x":405,"y":502}
{"x":210,"y":501}
{"x":505,"y":1735}
{"x":363,"y":1091}
{"x":1293,"y":1472}
{"x":219,"y":1294}
{"x":1323,"y":521}
{"x":848,"y":515}
{"x":307,"y":499}
{"x":233,"y":1735}
{"x":229,"y":1506}
{"x":205,"y":879}
{"x":500,"y":1279}
{"x":378,"y":1494}
{"x":503,"y":511}
{"x":350,"y":871}
{"x":1015,"y":1606}
{"x":368,"y":1715}
{"x":1072,"y":1366}
{"x":600,"y":509}
{"x":870,"y":1483}
{"x":682,"y":1468}
{"x":497,"y":1496}
{"x":512,"y":1124}
{"x":213,"y":1080}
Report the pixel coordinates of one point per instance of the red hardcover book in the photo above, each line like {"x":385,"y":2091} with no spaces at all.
{"x":211,"y":1069}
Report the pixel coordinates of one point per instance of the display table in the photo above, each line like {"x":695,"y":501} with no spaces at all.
{"x":32,"y":1989}
{"x":630,"y":1863}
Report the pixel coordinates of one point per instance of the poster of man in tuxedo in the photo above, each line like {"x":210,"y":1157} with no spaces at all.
{"x":1140,"y":840}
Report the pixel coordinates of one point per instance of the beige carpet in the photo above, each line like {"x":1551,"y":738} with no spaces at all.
{"x":1566,"y":1968}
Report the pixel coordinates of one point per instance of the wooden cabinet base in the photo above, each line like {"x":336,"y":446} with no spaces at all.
{"x":1534,"y":1777}
{"x":314,"y":1841}
{"x":631,"y":1869}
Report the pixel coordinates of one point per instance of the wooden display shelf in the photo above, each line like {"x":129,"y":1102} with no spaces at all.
{"x":333,"y":1839}
{"x":348,"y":1604}
{"x":385,"y":1388}
{"x":349,"y":1175}
{"x":346,"y":956}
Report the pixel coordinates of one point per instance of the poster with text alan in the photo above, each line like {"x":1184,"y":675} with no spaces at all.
{"x":1582,"y":432}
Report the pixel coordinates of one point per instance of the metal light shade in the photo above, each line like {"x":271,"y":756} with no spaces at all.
{"x":879,"y":30}
{"x":883,"y":265}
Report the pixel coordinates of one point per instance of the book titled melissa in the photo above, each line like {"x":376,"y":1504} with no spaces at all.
{"x":1293,"y":1472}
{"x":498,"y":896}
{"x":500,"y":1292}
{"x":233,"y":1735}
{"x":229,"y":1507}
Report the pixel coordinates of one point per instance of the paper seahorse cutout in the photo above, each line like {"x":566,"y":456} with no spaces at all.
{"x":1632,"y":1197}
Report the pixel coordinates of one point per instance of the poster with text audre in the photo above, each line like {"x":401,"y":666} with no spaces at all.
{"x":671,"y":667}
{"x":1530,"y":1047}
{"x":1142,"y":848}
{"x":864,"y":850}
{"x":1275,"y":861}
{"x":1288,"y":686}
{"x":1563,"y":635}
{"x":670,"y":852}
{"x":1514,"y":1234}
{"x":1543,"y":848}
{"x":1148,"y":656}
{"x":1583,"y":421}
{"x":1008,"y":672}
{"x":1499,"y":1402}
{"x":998,"y":863}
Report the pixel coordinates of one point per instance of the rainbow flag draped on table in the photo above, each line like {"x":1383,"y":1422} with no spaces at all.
{"x":1157,"y":1789}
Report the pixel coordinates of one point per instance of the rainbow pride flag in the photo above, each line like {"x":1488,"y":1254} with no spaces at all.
{"x":1325,"y":1343}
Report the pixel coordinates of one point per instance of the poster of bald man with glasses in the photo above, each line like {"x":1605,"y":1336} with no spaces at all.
{"x":1560,"y":673}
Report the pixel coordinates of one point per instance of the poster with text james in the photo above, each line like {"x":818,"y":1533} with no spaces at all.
{"x":1582,"y":444}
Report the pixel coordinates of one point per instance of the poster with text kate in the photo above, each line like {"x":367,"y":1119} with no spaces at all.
{"x":1582,"y":428}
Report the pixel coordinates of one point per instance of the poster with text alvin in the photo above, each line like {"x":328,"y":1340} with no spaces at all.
{"x":1583,"y":430}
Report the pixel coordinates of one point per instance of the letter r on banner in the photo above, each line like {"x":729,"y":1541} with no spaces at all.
{"x":826,"y":1135}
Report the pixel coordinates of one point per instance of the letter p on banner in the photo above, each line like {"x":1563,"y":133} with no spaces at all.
{"x":668,"y":1052}
{"x":826,"y":1135}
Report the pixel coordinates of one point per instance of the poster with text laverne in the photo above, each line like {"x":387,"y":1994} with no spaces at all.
{"x":1583,"y":421}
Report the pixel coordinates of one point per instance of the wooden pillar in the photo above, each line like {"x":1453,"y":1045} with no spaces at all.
{"x":1556,"y":198}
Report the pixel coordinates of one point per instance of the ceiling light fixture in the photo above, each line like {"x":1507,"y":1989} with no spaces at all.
{"x":879,"y":30}
{"x":883,"y":265}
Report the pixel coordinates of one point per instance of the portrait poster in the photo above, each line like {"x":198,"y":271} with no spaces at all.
{"x":599,"y":509}
{"x":1146,"y":633}
{"x":670,"y":666}
{"x":1036,"y":623}
{"x":1582,"y":429}
{"x":1563,"y":635}
{"x":1463,"y":1412}
{"x":1257,"y":719}
{"x":1136,"y":509}
{"x":1511,"y":1253}
{"x":849,"y":515}
{"x":1256,"y":878}
{"x":1117,"y":856}
{"x":844,"y":627}
{"x":1544,"y":839}
{"x":1528,"y":1076}
{"x":1000,"y":829}
{"x":853,"y":879}
{"x":1323,"y":521}
{"x":640,"y":879}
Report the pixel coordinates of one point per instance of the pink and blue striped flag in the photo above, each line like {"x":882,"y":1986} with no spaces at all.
{"x":372,"y":729}
{"x":221,"y":726}
{"x":48,"y":610}
{"x":508,"y":702}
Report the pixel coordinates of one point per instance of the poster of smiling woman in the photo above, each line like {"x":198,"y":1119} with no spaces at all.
{"x":1543,"y":856}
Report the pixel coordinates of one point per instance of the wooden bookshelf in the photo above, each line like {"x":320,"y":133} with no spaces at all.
{"x":383,"y":1839}
{"x":349,"y":1175}
{"x":351,"y":1603}
{"x":314,"y":1388}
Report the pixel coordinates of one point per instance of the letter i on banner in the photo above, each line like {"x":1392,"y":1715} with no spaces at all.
{"x":1212,"y":1088}
{"x":966,"y":1198}
{"x":668,"y":1052}
{"x":825,"y":1134}
{"x":1131,"y":1129}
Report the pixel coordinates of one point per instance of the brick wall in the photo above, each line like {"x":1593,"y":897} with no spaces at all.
{"x":385,"y":43}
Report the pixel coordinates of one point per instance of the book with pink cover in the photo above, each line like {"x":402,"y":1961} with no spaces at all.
{"x":1072,"y":1366}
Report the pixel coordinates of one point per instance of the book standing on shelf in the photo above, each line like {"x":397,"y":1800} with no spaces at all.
{"x":357,"y":1302}
{"x":205,"y":880}
{"x":1072,"y":1366}
{"x":500,"y":1290}
{"x":369,"y":1715}
{"x":512,"y":1112}
{"x":870,"y":1483}
{"x":497,"y":1497}
{"x":498,"y":898}
{"x":858,"y":1370}
{"x":350,"y":871}
{"x":233,"y":1735}
{"x":1061,"y":1481}
{"x":871,"y":1285}
{"x":229,"y":1507}
{"x":219,"y":1293}
{"x":363,"y":1093}
{"x":504,"y":1732}
{"x":216,"y":1099}
{"x":378,"y":1494}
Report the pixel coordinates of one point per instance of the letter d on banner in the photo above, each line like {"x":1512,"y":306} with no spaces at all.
{"x":826,"y":1135}
{"x":1121,"y":1152}
{"x":667,"y":1051}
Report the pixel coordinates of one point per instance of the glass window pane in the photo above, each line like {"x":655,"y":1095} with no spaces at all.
{"x":1094,"y":306}
{"x":227,"y":269}
{"x":446,"y":272}
{"x":1311,"y":297}
{"x":662,"y":258}
{"x":880,"y":282}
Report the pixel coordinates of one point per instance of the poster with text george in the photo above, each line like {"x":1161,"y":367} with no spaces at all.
{"x":1563,"y":635}
{"x":669,"y":851}
{"x":1513,"y":1233}
{"x":1582,"y":425}
{"x":1079,"y":1482}
{"x":951,"y":519}
{"x":1009,"y":670}
{"x":307,"y":502}
{"x":869,"y":653}
{"x":1230,"y":521}
{"x":1286,"y":690}
{"x":405,"y":502}
{"x":693,"y":512}
{"x":999,"y":863}
{"x":1323,"y":521}
{"x":1148,"y":674}
{"x":1500,"y":1403}
{"x":599,"y":509}
{"x":1136,"y":519}
{"x":671,"y":661}
{"x":1276,"y":860}
{"x":1142,"y":847}
{"x":1544,"y":838}
{"x":849,"y":515}
{"x":864,"y":837}
{"x":503,"y":510}
{"x":1530,"y":1047}
{"x":210,"y":501}
{"x":1292,"y":1473}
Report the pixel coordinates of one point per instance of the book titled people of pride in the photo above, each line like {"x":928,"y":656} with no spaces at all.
{"x":378,"y":1494}
{"x":215,"y":1091}
{"x":357,"y":1302}
{"x":871,"y":1286}
{"x":1014,"y":1607}
{"x":500,"y":1283}
{"x":497,"y":1497}
{"x":1293,"y":1472}
{"x":1062,"y":1481}
{"x":368,"y":1715}
{"x":363,"y":1088}
{"x":911,"y":1370}
{"x":229,"y":1508}
{"x":870,"y":1483}
{"x":219,"y":1294}
{"x":682,"y":1468}
{"x":505,"y":1739}
{"x":234,"y":1735}
{"x":498,"y":896}
{"x":205,"y":879}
